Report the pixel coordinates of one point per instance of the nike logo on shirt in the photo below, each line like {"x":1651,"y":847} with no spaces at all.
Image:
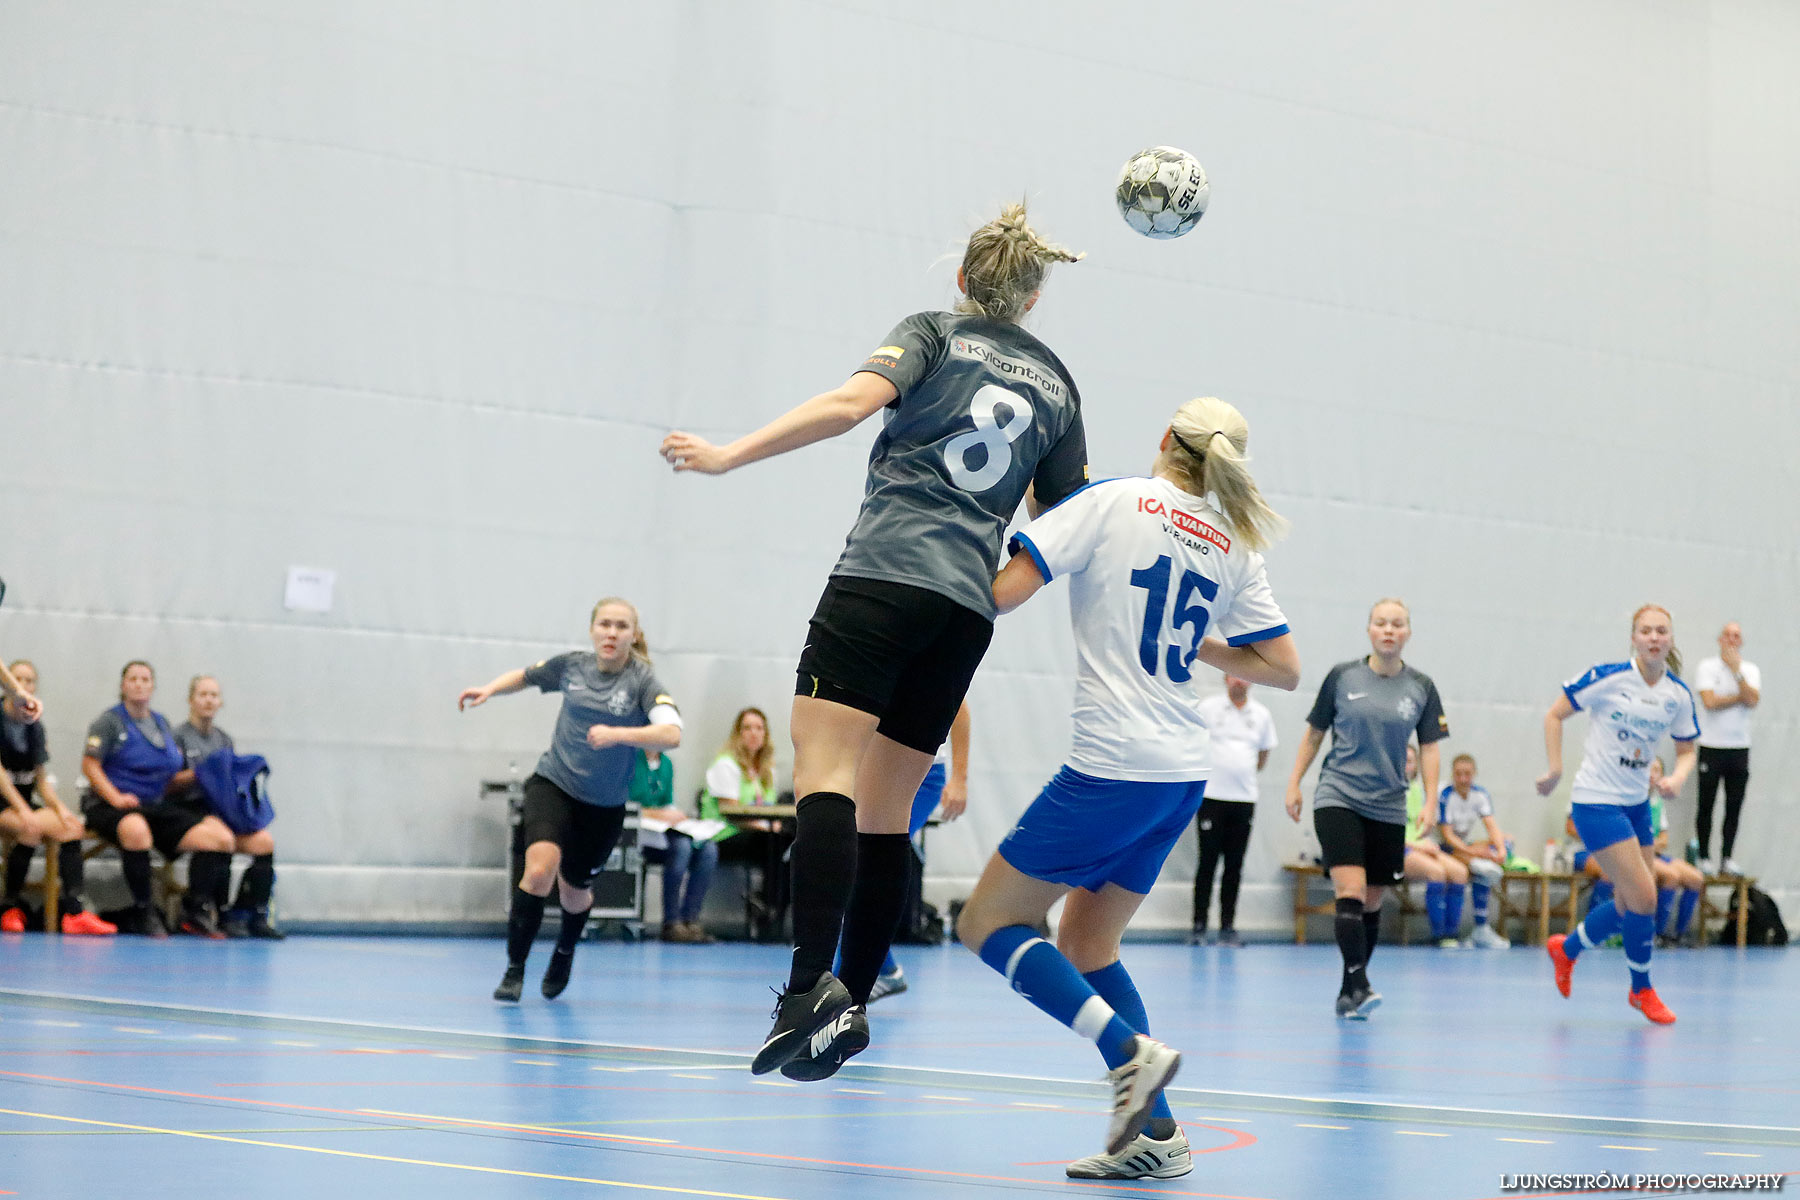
{"x":1354,"y":695}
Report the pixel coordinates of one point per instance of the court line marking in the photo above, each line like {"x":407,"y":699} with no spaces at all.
{"x":1644,"y":1149}
{"x":411,"y":1162}
{"x":1304,"y":1125}
{"x":708,"y":1078}
{"x":1729,"y":1154}
{"x":1239,"y":1139}
{"x":1542,"y":1142}
{"x":914,"y":1076}
{"x":1418,"y":1133}
{"x":611,"y":1137}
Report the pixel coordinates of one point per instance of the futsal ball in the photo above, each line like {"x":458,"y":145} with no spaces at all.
{"x":1162,"y":192}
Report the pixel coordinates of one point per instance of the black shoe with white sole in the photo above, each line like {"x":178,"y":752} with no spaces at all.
{"x":798,"y":1016}
{"x":831,"y":1047}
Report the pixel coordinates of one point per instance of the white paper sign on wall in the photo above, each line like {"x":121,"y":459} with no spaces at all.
{"x":309,"y":589}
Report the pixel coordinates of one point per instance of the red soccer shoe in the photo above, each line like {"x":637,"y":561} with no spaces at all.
{"x":1651,"y":1005}
{"x":1565,"y":966}
{"x":86,"y":923}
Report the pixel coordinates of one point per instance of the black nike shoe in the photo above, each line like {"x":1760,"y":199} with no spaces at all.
{"x":831,"y":1047}
{"x":556,"y":975}
{"x":799,"y":1015}
{"x":512,"y":984}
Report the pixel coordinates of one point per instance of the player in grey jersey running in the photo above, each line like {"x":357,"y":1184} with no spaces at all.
{"x":1372,"y":707}
{"x":980,"y":414}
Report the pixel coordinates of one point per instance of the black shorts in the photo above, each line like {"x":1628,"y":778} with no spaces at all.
{"x":584,"y":833}
{"x":899,"y":652}
{"x":1349,"y":839}
{"x":169,"y":820}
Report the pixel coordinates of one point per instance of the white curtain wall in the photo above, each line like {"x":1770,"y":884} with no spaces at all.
{"x":410,"y":292}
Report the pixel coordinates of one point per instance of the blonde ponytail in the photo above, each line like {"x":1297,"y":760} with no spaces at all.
{"x":1207,"y":456}
{"x":1004,"y":264}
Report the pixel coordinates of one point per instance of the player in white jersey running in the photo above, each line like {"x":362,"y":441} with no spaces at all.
{"x":1153,"y":567}
{"x":1631,"y":706}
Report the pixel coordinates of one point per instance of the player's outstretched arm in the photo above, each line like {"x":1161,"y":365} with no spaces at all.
{"x":510,"y":682}
{"x":29,"y":707}
{"x":1273,"y":663}
{"x":824,"y":416}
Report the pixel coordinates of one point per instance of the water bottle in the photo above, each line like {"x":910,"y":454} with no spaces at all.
{"x":512,"y":777}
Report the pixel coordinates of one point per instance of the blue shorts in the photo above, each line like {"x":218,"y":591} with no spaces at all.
{"x":1086,"y":832}
{"x":925,"y":800}
{"x":1603,"y":825}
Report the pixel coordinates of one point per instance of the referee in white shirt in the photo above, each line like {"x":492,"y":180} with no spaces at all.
{"x":1728,"y":686}
{"x":1242,"y":733}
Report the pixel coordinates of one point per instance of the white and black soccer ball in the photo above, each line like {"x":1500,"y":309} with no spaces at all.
{"x":1162,"y":192}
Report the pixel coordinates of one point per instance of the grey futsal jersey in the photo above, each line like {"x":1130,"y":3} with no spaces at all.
{"x":985,"y":410}
{"x":594,"y":697}
{"x":196,"y":745}
{"x":1371,"y":718}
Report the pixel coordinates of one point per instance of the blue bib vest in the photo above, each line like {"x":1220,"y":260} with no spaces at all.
{"x":139,"y":768}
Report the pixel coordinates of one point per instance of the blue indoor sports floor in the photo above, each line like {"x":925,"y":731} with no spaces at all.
{"x":353,"y":1067}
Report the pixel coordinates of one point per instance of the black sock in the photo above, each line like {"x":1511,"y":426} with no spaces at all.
{"x":257,"y":885}
{"x":204,"y":884}
{"x":824,"y":872}
{"x":573,"y":924}
{"x":1162,"y":1128}
{"x":1372,"y":932}
{"x":18,"y":866}
{"x":69,"y":868}
{"x":522,"y":925}
{"x":877,"y":902}
{"x":137,"y":875}
{"x":1353,"y":943}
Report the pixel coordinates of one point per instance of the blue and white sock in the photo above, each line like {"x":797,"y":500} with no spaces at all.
{"x":1478,"y":892}
{"x":1601,"y":922}
{"x":1684,"y":912}
{"x":1602,"y":893}
{"x":1434,"y":909}
{"x":1112,"y":983}
{"x":1453,"y":902}
{"x":1640,"y":935}
{"x":1038,"y":971}
{"x":1665,"y":904}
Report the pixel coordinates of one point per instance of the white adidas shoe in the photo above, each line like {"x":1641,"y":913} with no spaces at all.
{"x":1486,"y":937}
{"x":1135,"y":1085}
{"x":1143,"y":1158}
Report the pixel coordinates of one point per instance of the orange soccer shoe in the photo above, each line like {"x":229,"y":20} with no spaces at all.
{"x":12,"y":920}
{"x":1565,"y":966}
{"x":80,"y":923}
{"x":1646,"y":1001}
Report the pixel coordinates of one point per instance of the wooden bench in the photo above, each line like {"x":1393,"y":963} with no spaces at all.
{"x":1739,"y":884}
{"x":50,"y":886}
{"x":1305,"y":873}
{"x":1541,"y":902}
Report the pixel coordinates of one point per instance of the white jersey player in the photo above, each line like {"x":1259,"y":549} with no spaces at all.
{"x":1160,"y":581}
{"x":1631,"y":706}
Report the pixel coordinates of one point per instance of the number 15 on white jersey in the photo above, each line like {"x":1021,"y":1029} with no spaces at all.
{"x":1152,"y":570}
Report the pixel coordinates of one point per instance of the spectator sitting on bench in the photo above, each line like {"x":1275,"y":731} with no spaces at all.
{"x":130,"y":758}
{"x":199,"y":739}
{"x":33,"y":811}
{"x":687,"y":864}
{"x":1426,"y":862}
{"x":1468,"y":832}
